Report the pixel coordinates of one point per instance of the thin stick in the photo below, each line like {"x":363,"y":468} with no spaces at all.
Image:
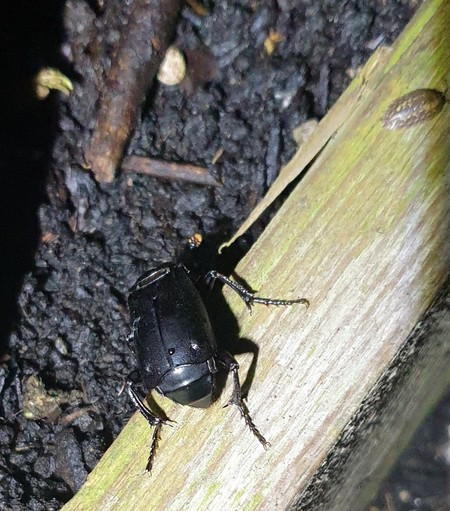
{"x":169,"y":170}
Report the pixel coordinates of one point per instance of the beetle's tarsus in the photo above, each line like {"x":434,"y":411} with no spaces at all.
{"x":151,"y":418}
{"x":247,"y":296}
{"x":238,"y":401}
{"x":153,"y":447}
{"x":251,"y":425}
{"x":232,"y":365}
{"x":270,"y":301}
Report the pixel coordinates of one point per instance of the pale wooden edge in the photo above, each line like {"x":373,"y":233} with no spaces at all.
{"x":383,"y":426}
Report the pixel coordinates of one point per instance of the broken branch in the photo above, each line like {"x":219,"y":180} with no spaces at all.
{"x":140,"y":51}
{"x":169,"y":170}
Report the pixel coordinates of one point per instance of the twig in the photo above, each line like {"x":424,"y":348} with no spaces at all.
{"x":140,"y":51}
{"x":169,"y":170}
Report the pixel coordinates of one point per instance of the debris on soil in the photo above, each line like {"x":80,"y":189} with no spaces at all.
{"x":197,"y":7}
{"x":195,"y":240}
{"x":76,"y":415}
{"x":217,"y":156}
{"x":169,"y":170}
{"x":272,"y":40}
{"x":40,"y":403}
{"x":51,"y":79}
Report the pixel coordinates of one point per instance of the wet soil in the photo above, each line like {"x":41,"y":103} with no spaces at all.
{"x":420,"y":480}
{"x":73,"y":248}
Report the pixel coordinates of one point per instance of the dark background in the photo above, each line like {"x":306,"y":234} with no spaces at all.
{"x":71,"y":248}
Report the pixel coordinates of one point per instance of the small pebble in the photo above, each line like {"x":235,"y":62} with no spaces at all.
{"x":173,"y":67}
{"x":404,"y":496}
{"x":61,"y":346}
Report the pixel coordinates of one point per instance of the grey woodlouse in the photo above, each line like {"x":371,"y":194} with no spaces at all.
{"x":413,"y":108}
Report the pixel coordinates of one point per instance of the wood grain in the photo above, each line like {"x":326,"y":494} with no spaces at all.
{"x":364,"y":236}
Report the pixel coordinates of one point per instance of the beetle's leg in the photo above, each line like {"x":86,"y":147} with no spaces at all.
{"x":246,"y":295}
{"x":231,"y":364}
{"x":151,"y":418}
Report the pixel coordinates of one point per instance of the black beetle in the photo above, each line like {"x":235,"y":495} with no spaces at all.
{"x":175,"y":345}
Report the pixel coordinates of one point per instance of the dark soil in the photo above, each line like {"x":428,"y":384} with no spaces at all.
{"x":420,"y":481}
{"x":72,"y":248}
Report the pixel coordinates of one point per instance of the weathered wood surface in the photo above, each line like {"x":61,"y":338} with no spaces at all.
{"x":365,"y":237}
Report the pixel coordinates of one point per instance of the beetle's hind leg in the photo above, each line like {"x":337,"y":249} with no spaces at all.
{"x":231,"y":364}
{"x":247,"y":296}
{"x":151,"y":418}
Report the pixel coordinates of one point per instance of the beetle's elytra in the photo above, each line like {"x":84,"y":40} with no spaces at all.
{"x":175,"y":346}
{"x":417,"y":106}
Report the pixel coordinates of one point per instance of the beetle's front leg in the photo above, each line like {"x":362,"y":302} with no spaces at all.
{"x":231,"y":364}
{"x":150,"y":417}
{"x":246,"y":295}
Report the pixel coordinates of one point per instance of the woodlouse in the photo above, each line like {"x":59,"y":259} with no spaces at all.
{"x":413,"y":108}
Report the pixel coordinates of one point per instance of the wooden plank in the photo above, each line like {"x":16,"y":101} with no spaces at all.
{"x":382,"y":427}
{"x":365,"y":237}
